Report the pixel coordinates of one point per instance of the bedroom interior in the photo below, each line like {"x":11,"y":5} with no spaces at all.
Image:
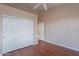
{"x":39,"y":29}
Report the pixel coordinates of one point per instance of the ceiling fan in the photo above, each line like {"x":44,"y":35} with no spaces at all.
{"x":43,"y":4}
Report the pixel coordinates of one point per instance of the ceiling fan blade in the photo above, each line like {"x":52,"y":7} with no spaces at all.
{"x":45,"y":6}
{"x":37,"y":5}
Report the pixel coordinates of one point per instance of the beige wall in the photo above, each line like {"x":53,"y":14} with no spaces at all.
{"x":6,"y":10}
{"x":62,"y":25}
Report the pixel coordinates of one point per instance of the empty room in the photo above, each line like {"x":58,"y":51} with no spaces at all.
{"x":39,"y":29}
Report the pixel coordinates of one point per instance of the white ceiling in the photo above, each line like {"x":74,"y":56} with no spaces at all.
{"x":29,"y":6}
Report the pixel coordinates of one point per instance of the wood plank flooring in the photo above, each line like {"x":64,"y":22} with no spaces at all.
{"x":43,"y":49}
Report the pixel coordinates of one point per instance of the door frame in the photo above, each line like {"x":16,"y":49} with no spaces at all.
{"x":40,"y":23}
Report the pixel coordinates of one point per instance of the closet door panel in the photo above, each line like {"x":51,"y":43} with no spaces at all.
{"x":8,"y":34}
{"x":17,"y":33}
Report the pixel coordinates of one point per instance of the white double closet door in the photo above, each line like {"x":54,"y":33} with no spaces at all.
{"x":17,"y":33}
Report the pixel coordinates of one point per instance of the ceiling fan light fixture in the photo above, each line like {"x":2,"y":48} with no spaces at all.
{"x":36,"y":6}
{"x":45,"y":6}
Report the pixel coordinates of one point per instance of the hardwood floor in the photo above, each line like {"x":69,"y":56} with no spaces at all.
{"x":43,"y":49}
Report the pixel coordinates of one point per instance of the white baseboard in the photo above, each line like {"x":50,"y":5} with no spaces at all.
{"x":62,"y":45}
{"x":35,"y":43}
